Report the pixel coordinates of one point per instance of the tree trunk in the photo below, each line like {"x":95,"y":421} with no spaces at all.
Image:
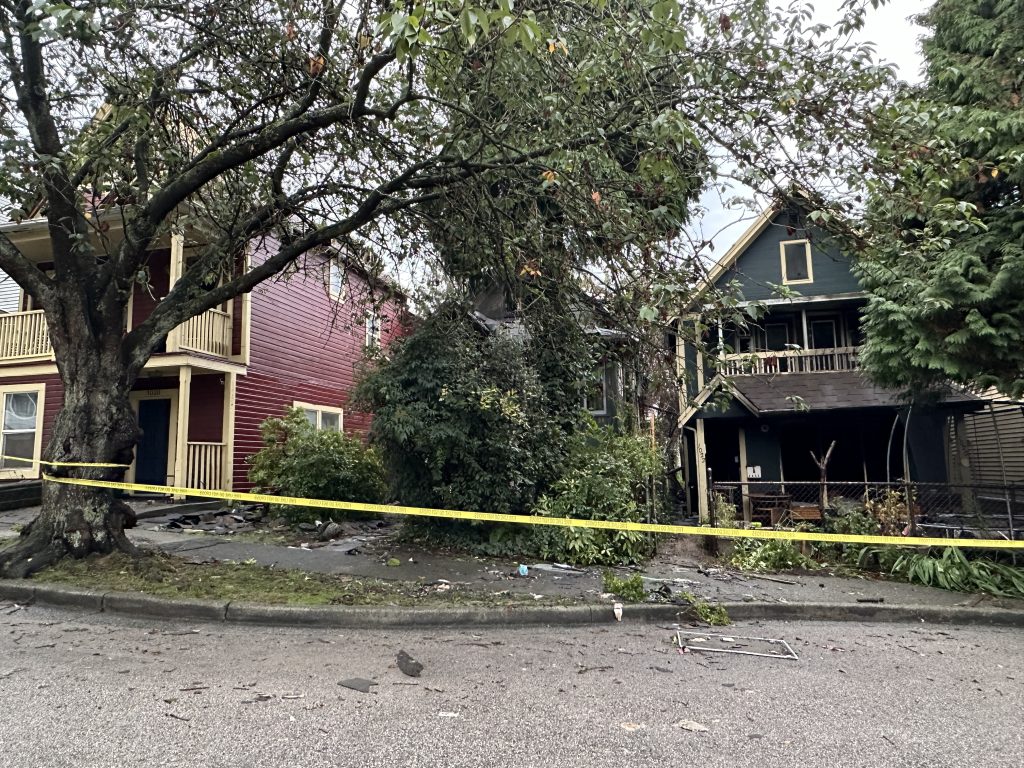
{"x":96,"y":424}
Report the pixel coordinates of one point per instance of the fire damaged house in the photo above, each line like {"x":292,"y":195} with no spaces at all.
{"x":772,"y":407}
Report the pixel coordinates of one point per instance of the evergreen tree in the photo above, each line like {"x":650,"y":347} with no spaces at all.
{"x":945,"y":222}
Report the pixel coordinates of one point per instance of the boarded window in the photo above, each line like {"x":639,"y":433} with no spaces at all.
{"x":796,"y":261}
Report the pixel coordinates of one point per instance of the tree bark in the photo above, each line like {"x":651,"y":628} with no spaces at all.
{"x":96,"y":424}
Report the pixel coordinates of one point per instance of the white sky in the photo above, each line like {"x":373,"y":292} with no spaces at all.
{"x":896,"y":41}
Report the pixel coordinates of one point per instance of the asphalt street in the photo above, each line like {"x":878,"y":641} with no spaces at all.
{"x":94,"y":690}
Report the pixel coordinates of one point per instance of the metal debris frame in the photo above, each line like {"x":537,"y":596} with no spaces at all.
{"x":707,"y":643}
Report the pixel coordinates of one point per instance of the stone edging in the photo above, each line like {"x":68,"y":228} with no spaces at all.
{"x":373,"y":617}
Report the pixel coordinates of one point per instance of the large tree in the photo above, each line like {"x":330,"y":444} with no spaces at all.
{"x":305,"y":123}
{"x":945,"y":223}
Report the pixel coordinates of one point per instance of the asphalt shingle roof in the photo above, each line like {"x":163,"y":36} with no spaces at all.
{"x":825,"y":391}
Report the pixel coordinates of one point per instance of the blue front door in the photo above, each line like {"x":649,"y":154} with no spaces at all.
{"x":151,"y":452}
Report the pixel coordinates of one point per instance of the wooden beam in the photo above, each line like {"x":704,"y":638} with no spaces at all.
{"x":184,"y":396}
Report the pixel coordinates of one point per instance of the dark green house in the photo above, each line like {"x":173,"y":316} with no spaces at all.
{"x":772,"y":392}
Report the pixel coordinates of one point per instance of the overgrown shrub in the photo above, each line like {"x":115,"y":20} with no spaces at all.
{"x":769,"y":555}
{"x":605,"y":479}
{"x":471,"y":420}
{"x":630,"y":589}
{"x":953,"y":570}
{"x":297,"y":459}
{"x":851,"y":518}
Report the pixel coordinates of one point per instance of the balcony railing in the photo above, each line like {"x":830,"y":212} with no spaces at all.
{"x":204,"y":465}
{"x":209,"y":333}
{"x":24,"y":335}
{"x":789,"y":361}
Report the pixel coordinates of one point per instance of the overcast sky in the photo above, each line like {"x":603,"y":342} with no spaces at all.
{"x":896,"y":41}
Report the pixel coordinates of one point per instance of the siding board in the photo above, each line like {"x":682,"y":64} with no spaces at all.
{"x":305,"y":346}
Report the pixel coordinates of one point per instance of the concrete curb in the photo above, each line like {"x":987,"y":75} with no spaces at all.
{"x":373,"y":617}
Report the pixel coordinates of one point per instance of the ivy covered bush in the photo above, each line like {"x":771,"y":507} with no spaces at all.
{"x":607,"y":477}
{"x":471,"y":420}
{"x":297,"y":459}
{"x":466,"y":419}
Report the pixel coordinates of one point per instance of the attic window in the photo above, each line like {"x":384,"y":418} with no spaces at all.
{"x":336,"y":284}
{"x":796,"y":262}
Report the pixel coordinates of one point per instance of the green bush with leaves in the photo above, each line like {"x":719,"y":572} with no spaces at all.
{"x":297,"y":459}
{"x":472,"y":420}
{"x":606,"y":478}
{"x":953,"y":570}
{"x":770,"y":555}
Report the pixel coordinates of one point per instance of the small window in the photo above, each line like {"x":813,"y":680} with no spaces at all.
{"x":373,"y":324}
{"x":20,"y":430}
{"x":796,"y":261}
{"x":337,"y":285}
{"x":322,"y":416}
{"x":595,"y":398}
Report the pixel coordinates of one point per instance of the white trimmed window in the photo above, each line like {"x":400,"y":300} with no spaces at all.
{"x":595,"y":398}
{"x":373,"y":325}
{"x":323,"y":416}
{"x":796,"y":262}
{"x":22,"y":430}
{"x":337,"y":285}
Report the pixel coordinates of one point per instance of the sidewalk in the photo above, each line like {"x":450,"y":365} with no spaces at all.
{"x":680,"y":567}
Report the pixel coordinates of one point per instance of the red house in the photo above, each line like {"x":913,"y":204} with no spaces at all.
{"x":296,"y":340}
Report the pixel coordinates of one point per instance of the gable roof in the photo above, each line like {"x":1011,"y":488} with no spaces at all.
{"x":754,"y":231}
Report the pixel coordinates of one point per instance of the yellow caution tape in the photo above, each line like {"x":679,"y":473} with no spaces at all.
{"x":63,"y":463}
{"x":561,"y":522}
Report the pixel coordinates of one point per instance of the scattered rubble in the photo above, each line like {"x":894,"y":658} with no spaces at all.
{"x":360,"y":684}
{"x":409,"y":665}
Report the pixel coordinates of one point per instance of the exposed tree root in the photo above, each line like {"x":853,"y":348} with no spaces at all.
{"x":41,"y":543}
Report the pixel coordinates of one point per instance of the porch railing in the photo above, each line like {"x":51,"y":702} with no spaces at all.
{"x":204,"y":465}
{"x":24,"y":335}
{"x":209,"y":333}
{"x":789,"y":361}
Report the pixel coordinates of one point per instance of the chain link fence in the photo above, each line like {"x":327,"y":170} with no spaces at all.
{"x":938,"y":509}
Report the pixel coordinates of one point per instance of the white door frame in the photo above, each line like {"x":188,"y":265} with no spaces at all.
{"x":172,"y":433}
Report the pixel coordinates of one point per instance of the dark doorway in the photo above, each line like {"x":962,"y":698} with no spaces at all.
{"x":151,"y":452}
{"x":722,"y":439}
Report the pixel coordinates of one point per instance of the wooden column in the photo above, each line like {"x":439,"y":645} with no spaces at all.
{"x":227,"y":435}
{"x":184,"y":396}
{"x":703,"y":508}
{"x":176,"y":267}
{"x":745,"y":489}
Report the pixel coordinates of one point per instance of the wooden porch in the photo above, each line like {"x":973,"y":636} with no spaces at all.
{"x":25,"y":337}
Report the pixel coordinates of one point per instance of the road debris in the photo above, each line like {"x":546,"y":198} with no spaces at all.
{"x":408,"y":665}
{"x":360,"y":684}
{"x":632,"y":726}
{"x":447,"y":714}
{"x":617,"y":611}
{"x":692,"y":725}
{"x":708,"y":643}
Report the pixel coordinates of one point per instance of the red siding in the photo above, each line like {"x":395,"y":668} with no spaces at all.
{"x":304,"y":346}
{"x":206,"y":409}
{"x":146,"y":298}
